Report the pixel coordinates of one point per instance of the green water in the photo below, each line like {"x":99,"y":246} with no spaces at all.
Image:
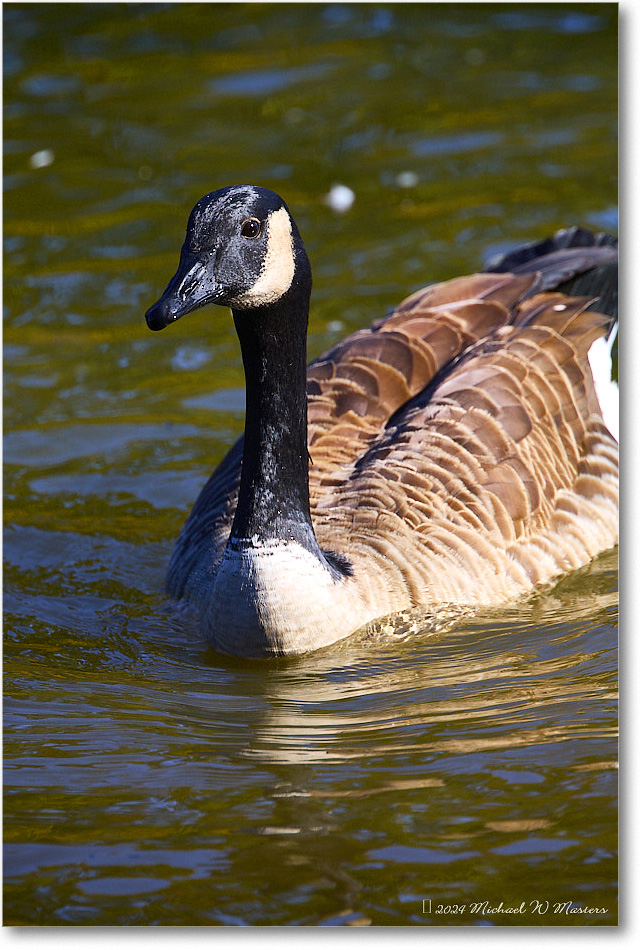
{"x":149,"y":780}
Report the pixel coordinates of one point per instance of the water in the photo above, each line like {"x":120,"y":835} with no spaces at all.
{"x":442,"y":778}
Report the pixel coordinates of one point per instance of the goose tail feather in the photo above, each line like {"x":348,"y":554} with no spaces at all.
{"x":561,"y":265}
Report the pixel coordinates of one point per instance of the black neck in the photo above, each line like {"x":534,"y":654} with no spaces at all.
{"x":273,"y":496}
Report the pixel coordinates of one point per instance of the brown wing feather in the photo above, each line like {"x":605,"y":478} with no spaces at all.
{"x":398,"y":357}
{"x":517,"y":469}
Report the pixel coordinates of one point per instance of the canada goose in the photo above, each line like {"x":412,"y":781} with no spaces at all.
{"x":452,"y":453}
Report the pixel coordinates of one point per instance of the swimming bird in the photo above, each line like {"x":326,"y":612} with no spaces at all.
{"x":452,"y":453}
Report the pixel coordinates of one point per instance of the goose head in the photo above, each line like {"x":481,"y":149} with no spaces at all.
{"x":242,"y":250}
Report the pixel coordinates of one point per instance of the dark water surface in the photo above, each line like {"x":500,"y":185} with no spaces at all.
{"x":149,"y":780}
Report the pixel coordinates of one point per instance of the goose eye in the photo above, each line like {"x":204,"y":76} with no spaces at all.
{"x":251,"y":228}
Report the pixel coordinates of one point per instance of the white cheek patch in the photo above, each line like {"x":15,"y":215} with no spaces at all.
{"x":277,"y":272}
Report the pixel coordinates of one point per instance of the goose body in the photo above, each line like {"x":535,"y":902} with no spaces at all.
{"x":453,"y":453}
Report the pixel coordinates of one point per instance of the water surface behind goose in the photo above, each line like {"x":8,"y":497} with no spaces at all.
{"x":149,"y":780}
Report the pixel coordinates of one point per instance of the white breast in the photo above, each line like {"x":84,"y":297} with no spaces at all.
{"x":277,"y":597}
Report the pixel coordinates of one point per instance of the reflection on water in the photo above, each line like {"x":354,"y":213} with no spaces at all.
{"x":149,"y":780}
{"x":491,"y":676}
{"x":359,"y":771}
